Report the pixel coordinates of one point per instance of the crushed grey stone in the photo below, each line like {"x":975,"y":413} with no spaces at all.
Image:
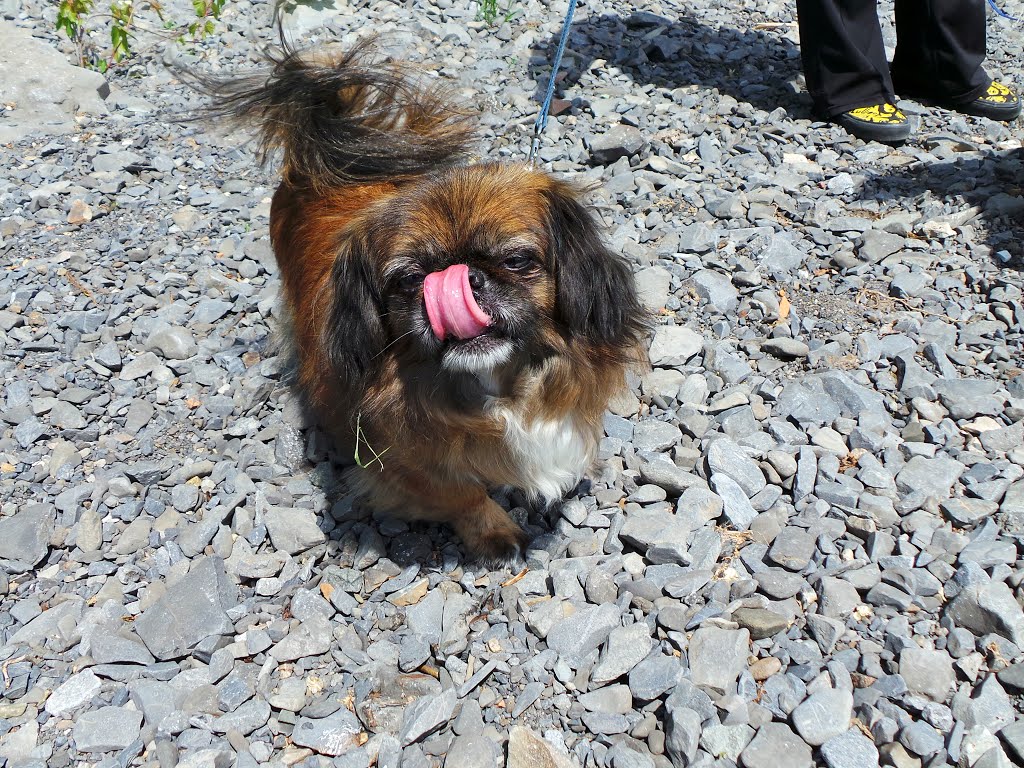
{"x":333,"y":735}
{"x":106,"y":729}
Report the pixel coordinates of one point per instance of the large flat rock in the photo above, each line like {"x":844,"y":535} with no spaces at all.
{"x":47,"y":91}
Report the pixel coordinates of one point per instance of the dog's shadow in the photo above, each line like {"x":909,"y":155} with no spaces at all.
{"x":757,"y":66}
{"x":431,"y":546}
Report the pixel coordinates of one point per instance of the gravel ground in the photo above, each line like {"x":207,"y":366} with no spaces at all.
{"x":802,"y":545}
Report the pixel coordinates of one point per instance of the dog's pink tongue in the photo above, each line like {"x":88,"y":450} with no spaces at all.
{"x":451,"y":307}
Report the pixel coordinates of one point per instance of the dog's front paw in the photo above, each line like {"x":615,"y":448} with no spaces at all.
{"x":501,"y":548}
{"x":491,"y":536}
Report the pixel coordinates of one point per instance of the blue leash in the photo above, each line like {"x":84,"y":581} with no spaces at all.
{"x":542,"y":118}
{"x":1000,"y":12}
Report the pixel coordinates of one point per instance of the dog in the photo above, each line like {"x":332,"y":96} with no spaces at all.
{"x":461,"y":325}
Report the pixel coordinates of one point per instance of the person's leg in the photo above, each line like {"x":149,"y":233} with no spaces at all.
{"x":940,"y":49}
{"x":845,"y":68}
{"x":843,"y":55}
{"x":939,"y":57}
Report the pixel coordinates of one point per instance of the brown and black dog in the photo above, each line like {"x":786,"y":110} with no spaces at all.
{"x":467,"y":320}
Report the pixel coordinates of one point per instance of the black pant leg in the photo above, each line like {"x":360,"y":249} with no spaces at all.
{"x":940,"y":49}
{"x":843,"y":54}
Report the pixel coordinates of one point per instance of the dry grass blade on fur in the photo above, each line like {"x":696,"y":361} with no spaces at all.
{"x":361,"y":437}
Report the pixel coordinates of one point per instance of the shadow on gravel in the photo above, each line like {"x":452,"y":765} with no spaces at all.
{"x":992,"y":185}
{"x":754,"y":66}
{"x":428,"y":545}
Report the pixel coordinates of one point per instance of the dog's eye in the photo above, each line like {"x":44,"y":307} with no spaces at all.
{"x":410,"y":282}
{"x":521,"y":262}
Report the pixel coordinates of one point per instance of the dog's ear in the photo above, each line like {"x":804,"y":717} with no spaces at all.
{"x":597,"y":296}
{"x":356,"y":334}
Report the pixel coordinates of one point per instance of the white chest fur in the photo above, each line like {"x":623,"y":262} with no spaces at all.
{"x":551,"y":455}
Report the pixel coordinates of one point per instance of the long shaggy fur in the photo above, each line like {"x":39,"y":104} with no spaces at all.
{"x":376,"y":195}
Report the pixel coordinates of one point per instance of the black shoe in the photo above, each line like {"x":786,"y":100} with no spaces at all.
{"x":877,"y":122}
{"x":999,"y":102}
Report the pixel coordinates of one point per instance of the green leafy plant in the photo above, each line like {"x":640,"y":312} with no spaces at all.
{"x":70,"y":15}
{"x":121,"y":17}
{"x":124,"y":20}
{"x":206,"y":12}
{"x":490,"y":12}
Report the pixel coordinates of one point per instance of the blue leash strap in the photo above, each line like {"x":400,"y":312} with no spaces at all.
{"x":1000,"y":12}
{"x":542,"y":118}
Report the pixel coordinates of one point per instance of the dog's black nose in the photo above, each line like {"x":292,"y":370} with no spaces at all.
{"x":477,"y":279}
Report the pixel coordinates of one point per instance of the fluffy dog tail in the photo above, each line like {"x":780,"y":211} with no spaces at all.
{"x":346,"y":118}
